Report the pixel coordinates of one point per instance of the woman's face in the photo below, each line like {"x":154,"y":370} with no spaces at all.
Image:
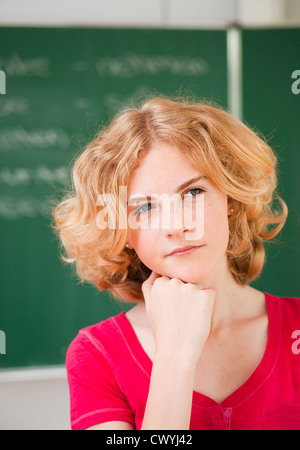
{"x":162,"y":171}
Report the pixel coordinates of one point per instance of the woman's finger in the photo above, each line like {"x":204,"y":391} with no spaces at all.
{"x":147,"y":285}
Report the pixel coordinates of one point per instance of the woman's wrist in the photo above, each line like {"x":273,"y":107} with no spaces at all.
{"x":178,"y":357}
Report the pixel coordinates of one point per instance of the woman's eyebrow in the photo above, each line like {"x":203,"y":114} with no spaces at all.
{"x":187,"y":183}
{"x":138,"y":197}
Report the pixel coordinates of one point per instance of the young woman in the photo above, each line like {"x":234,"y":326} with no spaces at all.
{"x":202,"y":349}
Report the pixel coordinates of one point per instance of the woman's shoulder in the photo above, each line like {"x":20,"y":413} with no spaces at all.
{"x":99,"y":337}
{"x":289,"y":303}
{"x":289,"y":309}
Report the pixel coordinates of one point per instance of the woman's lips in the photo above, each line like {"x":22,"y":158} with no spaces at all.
{"x":184,"y":252}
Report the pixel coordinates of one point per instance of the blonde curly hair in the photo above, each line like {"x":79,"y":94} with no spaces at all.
{"x":231,"y":155}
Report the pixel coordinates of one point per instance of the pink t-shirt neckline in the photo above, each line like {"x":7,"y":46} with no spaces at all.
{"x":250,"y":386}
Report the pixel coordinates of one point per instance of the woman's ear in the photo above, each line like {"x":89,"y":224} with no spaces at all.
{"x":230,"y":208}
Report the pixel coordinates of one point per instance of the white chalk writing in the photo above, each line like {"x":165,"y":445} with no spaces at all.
{"x":15,"y":65}
{"x":21,"y":176}
{"x":18,"y":137}
{"x":131,"y":65}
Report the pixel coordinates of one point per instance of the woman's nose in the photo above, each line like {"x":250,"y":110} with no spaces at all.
{"x":188,"y":218}
{"x":173,"y":220}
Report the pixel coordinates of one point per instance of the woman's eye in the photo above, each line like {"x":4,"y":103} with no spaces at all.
{"x":194,"y":192}
{"x":147,"y":206}
{"x":142,"y":209}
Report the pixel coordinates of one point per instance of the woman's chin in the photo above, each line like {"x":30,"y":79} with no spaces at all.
{"x":187,"y":278}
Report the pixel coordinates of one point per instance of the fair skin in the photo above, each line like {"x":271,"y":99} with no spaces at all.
{"x":202,"y":330}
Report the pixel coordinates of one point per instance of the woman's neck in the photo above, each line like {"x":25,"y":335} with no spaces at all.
{"x":234,"y":302}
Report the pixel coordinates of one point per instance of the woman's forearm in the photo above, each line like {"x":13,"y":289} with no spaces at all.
{"x":170,"y":394}
{"x":180,"y":316}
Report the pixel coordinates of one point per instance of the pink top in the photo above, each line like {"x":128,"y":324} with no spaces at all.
{"x":109,"y":375}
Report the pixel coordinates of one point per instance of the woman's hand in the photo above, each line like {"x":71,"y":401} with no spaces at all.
{"x":180,"y":315}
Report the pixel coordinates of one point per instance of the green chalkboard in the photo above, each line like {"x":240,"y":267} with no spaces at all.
{"x":61,"y":84}
{"x":270,"y":56}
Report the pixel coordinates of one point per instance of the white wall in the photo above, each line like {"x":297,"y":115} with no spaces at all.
{"x":149,"y":13}
{"x":34,"y":405}
{"x":34,"y":399}
{"x":38,"y":399}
